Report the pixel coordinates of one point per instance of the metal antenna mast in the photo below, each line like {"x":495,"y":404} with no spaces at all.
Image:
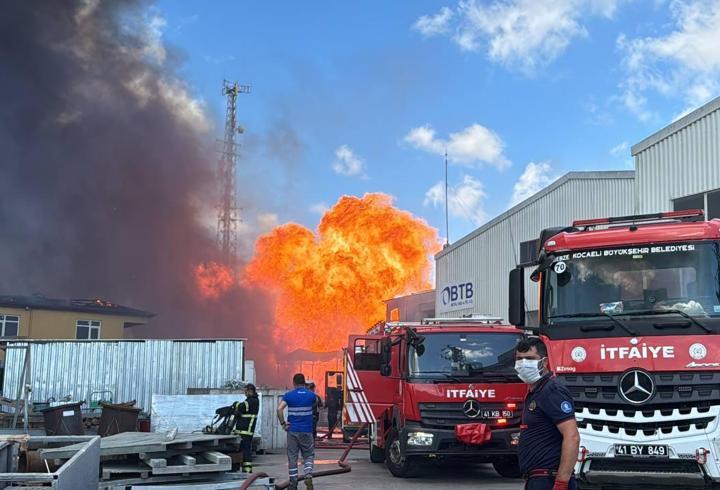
{"x":447,"y":220}
{"x":227,"y":209}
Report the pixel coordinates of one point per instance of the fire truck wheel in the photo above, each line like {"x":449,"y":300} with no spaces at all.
{"x":377,"y":454}
{"x":507,"y":467}
{"x":398,"y":464}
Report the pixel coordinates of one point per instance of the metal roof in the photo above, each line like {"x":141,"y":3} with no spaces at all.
{"x":403,"y":296}
{"x":681,"y":123}
{"x":611,"y":174}
{"x":95,"y":305}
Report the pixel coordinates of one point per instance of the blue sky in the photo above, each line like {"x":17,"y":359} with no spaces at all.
{"x":355,"y":97}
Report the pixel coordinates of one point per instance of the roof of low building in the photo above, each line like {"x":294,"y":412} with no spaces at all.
{"x":94,"y":305}
{"x":416,"y":293}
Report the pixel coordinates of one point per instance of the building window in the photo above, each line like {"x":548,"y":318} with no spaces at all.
{"x":707,"y":201}
{"x":395,"y":315}
{"x":529,"y":252}
{"x":713,"y":205}
{"x":87,"y":329}
{"x":367,"y":355}
{"x":10,"y":325}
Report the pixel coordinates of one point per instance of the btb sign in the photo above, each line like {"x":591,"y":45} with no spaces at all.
{"x":457,"y":296}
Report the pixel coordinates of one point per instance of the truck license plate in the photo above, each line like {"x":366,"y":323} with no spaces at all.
{"x":641,"y":450}
{"x":496,"y":414}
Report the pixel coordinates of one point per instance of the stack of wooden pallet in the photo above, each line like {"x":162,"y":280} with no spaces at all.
{"x":136,"y":458}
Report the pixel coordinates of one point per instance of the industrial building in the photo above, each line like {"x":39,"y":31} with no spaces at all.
{"x":676,"y":168}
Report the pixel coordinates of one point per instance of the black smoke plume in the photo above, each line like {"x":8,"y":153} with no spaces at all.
{"x":106,"y":169}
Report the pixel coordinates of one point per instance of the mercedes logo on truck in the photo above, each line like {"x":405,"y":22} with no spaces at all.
{"x":471,"y":408}
{"x":636,"y":387}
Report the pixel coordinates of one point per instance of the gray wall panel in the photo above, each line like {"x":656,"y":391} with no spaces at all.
{"x":486,"y":257}
{"x":684,"y":162}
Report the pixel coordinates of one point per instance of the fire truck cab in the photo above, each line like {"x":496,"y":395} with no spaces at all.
{"x":630,"y":311}
{"x":438,"y":389}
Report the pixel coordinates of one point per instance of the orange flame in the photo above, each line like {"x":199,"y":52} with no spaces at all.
{"x":332,"y":284}
{"x":212,"y":279}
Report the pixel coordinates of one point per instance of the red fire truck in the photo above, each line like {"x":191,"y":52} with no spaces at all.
{"x":630,"y":310}
{"x":437,"y":389}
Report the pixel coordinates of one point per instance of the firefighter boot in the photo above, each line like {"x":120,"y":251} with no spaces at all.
{"x":293,"y":484}
{"x":247,"y":467}
{"x":309,"y":483}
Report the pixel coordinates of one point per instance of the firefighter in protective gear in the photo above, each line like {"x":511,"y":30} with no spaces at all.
{"x":246,"y":416}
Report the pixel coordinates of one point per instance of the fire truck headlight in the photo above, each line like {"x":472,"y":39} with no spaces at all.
{"x":420,"y":439}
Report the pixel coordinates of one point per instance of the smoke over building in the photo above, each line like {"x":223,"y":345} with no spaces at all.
{"x":107,"y":168}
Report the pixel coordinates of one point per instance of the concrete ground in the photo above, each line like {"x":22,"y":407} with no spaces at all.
{"x":365,"y":474}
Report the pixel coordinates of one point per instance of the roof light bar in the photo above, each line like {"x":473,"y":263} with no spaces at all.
{"x":471,"y":319}
{"x":688,"y":213}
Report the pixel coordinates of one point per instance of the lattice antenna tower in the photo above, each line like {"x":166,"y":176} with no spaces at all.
{"x":228,"y":213}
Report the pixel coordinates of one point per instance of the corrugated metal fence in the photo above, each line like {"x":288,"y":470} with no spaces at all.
{"x":130,"y":369}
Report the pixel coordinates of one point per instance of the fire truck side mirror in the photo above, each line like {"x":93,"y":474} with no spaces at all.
{"x":516,"y":303}
{"x":386,"y":358}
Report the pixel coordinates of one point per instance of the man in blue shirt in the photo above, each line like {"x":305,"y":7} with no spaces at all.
{"x":299,"y":427}
{"x":549,"y":440}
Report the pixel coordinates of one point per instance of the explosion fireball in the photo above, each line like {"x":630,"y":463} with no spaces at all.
{"x":212,"y":279}
{"x":333,"y":283}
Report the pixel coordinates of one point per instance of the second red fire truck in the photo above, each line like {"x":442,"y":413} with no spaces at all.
{"x":443,"y":388}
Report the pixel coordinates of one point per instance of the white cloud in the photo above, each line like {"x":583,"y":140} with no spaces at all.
{"x":250,"y":228}
{"x":606,"y":8}
{"x":536,"y":177}
{"x":348,"y":163}
{"x":319,"y":208}
{"x":266,"y":221}
{"x":684,"y":62}
{"x":432,"y":25}
{"x":472,"y":146}
{"x":523,"y":33}
{"x":466,"y":199}
{"x":520,"y":34}
{"x":620,"y":149}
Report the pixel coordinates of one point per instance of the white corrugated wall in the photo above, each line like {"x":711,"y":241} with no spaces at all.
{"x":487,"y":257}
{"x":683,"y":163}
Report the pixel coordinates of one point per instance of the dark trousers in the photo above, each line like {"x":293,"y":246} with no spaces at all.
{"x":546,"y":483}
{"x":246,"y":446}
{"x":332,"y":420}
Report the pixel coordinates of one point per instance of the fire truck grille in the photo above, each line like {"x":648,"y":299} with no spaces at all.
{"x":448,"y":415}
{"x":681,"y":391}
{"x":683,"y":404}
{"x":647,"y":429}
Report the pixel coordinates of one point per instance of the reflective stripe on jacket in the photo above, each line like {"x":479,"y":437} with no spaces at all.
{"x":246,"y":415}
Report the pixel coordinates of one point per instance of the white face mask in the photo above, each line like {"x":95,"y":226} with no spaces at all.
{"x":528,"y":370}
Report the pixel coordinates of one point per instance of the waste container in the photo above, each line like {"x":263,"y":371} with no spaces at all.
{"x":64,"y":420}
{"x":119,"y":417}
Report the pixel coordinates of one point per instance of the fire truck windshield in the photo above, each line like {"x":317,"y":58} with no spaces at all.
{"x":636,"y":287}
{"x":464,"y":355}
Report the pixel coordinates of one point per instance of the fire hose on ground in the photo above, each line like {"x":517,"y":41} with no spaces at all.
{"x":343,"y":466}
